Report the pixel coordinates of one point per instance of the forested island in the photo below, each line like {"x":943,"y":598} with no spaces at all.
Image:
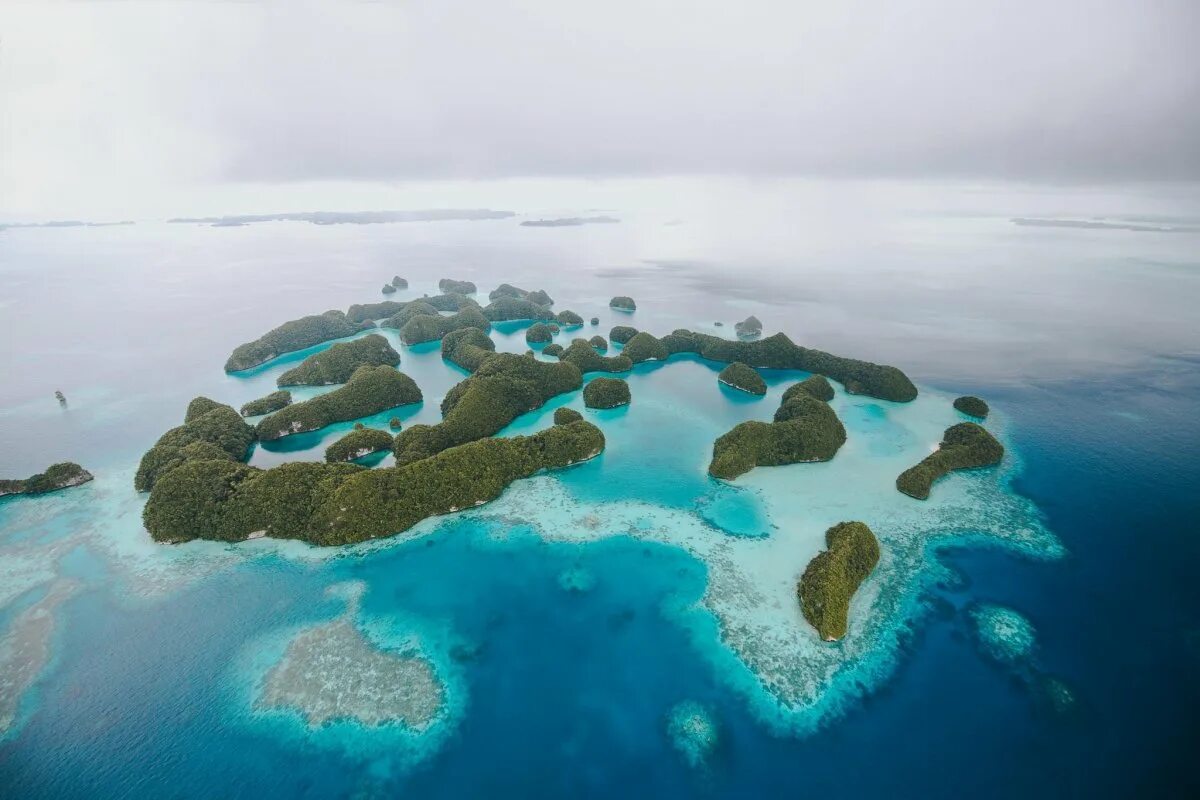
{"x":834,"y":575}
{"x":295,"y":335}
{"x":63,"y":475}
{"x":265,"y":405}
{"x":964,"y":446}
{"x":362,"y":441}
{"x":622,"y":303}
{"x":338,"y":362}
{"x":744,"y":378}
{"x":606,"y":393}
{"x":371,"y":389}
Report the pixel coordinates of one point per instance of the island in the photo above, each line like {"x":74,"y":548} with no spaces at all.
{"x":834,"y":575}
{"x":364,"y":312}
{"x":451,"y":301}
{"x":569,"y":319}
{"x":805,"y":429}
{"x":964,"y":446}
{"x":815,"y":385}
{"x":600,"y":343}
{"x":539,"y":332}
{"x":645,"y":347}
{"x":567,"y":222}
{"x":343,"y":503}
{"x":750,"y":327}
{"x":389,"y":289}
{"x":972,"y":406}
{"x":595,"y":320}
{"x":266,"y":405}
{"x":294,"y":335}
{"x":620,"y":334}
{"x":63,"y":475}
{"x":210,"y":430}
{"x":338,"y":362}
{"x":552,"y":349}
{"x":584,"y":356}
{"x":504,"y":309}
{"x":427,"y":328}
{"x":745,"y":378}
{"x":565,"y":416}
{"x":467,"y":348}
{"x":362,"y":441}
{"x":351,"y":217}
{"x":399,"y":283}
{"x":449,"y":285}
{"x":622,"y":303}
{"x":401,"y":316}
{"x":394,"y":423}
{"x":369,"y":391}
{"x":538,"y":297}
{"x":606,"y":393}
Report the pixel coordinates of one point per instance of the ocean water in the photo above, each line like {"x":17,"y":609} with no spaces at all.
{"x":628,"y":627}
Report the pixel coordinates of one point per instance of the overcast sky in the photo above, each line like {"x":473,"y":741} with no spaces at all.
{"x":114,"y":107}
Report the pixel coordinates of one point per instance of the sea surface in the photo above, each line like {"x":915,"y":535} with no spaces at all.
{"x":628,"y":627}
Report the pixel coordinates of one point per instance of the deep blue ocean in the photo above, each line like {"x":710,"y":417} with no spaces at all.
{"x":562,"y":660}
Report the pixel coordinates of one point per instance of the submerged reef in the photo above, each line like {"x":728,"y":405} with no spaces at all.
{"x":600,"y":343}
{"x":332,"y":504}
{"x":692,"y":731}
{"x":539,"y":332}
{"x":750,"y":327}
{"x":25,"y":650}
{"x":1004,"y":635}
{"x":620,"y":334}
{"x":294,"y":335}
{"x":815,"y":386}
{"x":369,"y":391}
{"x":964,"y":446}
{"x":606,"y":393}
{"x":584,"y":356}
{"x":358,"y":443}
{"x":623,"y":303}
{"x":834,"y":575}
{"x":645,"y":347}
{"x":449,"y":285}
{"x":210,"y":430}
{"x":268,"y":404}
{"x":972,"y":406}
{"x":568,"y":319}
{"x":467,"y":347}
{"x":338,"y":362}
{"x":805,"y":429}
{"x":741,"y":376}
{"x":425,"y":328}
{"x":57,"y":476}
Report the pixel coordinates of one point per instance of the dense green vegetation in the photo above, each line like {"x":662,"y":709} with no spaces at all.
{"x":266,"y":405}
{"x":504,"y":386}
{"x":451,"y":301}
{"x":565,"y":416}
{"x":425,"y":328}
{"x":399,"y":283}
{"x":331,"y":504}
{"x":414,"y":309}
{"x":644,"y":347}
{"x":620,"y":334}
{"x":750,"y":326}
{"x":394,"y":423}
{"x":388,"y":289}
{"x":57,"y":476}
{"x":973,"y":406}
{"x":538,"y":297}
{"x":814,"y":385}
{"x":294,"y":335}
{"x":358,"y":443}
{"x":600,"y":343}
{"x":338,"y":362}
{"x":740,"y":376}
{"x":964,"y":446}
{"x":449,"y":285}
{"x":606,"y":393}
{"x":834,"y":575}
{"x":569,"y":319}
{"x":510,"y":308}
{"x":552,"y":349}
{"x":805,"y":429}
{"x":467,"y":347}
{"x":623,"y":303}
{"x":211,"y":430}
{"x":584,"y":356}
{"x":369,"y":391}
{"x":539,"y":332}
{"x":595,"y":320}
{"x":368,"y":311}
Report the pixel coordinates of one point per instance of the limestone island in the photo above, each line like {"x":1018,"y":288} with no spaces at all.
{"x":388,"y":289}
{"x":57,"y":476}
{"x":623,"y":303}
{"x":401,"y":316}
{"x":539,"y":332}
{"x":399,"y":283}
{"x":645,"y":347}
{"x":364,"y":312}
{"x":449,"y":285}
{"x":467,"y":348}
{"x":816,"y":385}
{"x":595,"y":320}
{"x":294,"y":335}
{"x":600,"y":343}
{"x":620,"y":334}
{"x":538,"y":296}
{"x":504,"y":309}
{"x":369,"y":391}
{"x":210,"y":431}
{"x":552,"y":349}
{"x":394,"y":423}
{"x":833,"y":576}
{"x":426,"y":328}
{"x":569,"y":319}
{"x":972,"y":406}
{"x":739,"y":376}
{"x":337,"y":363}
{"x":748,"y":328}
{"x":964,"y":446}
{"x":606,"y":393}
{"x":266,"y":405}
{"x":565,"y":416}
{"x":584,"y":356}
{"x":361,"y":441}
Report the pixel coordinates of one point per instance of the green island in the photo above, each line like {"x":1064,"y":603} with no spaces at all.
{"x":565,"y":416}
{"x":342,"y":503}
{"x":364,"y":312}
{"x":339,"y":361}
{"x":502,"y":387}
{"x":394,"y":423}
{"x":568,"y":319}
{"x":834,"y":575}
{"x":505,"y":309}
{"x":645,"y":347}
{"x":467,"y":348}
{"x":450,"y":301}
{"x":606,"y":393}
{"x":294,"y":335}
{"x":805,"y":429}
{"x":595,"y":320}
{"x":584,"y":356}
{"x":388,"y":289}
{"x":623,"y":303}
{"x":402,"y":315}
{"x":972,"y":406}
{"x":964,"y":446}
{"x":426,"y":328}
{"x":815,"y":385}
{"x":369,"y":391}
{"x":599,"y":342}
{"x":540,"y":332}
{"x":361,"y":441}
{"x":538,"y":297}
{"x":399,"y":283}
{"x":57,"y":476}
{"x":740,"y":376}
{"x":620,"y":334}
{"x":449,"y":286}
{"x":265,"y":405}
{"x":749,"y":327}
{"x":553,"y":349}
{"x":210,"y":430}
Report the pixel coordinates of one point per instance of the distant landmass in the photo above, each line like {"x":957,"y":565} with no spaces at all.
{"x":350,"y":217}
{"x":62,"y":223}
{"x":1102,"y":224}
{"x":563,"y":222}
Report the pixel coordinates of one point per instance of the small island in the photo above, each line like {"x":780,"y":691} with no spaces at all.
{"x":745,"y":378}
{"x":568,"y":222}
{"x":620,"y":334}
{"x":426,"y":328}
{"x":595,"y":320}
{"x":399,"y":283}
{"x":369,"y":391}
{"x":388,"y":289}
{"x":622,"y":303}
{"x":449,"y":285}
{"x":645,"y":347}
{"x":805,"y":429}
{"x":538,"y":333}
{"x":467,"y":347}
{"x":972,"y":406}
{"x":394,"y":423}
{"x":553,"y":349}
{"x":538,"y":297}
{"x":295,"y":335}
{"x":964,"y":446}
{"x":748,"y":328}
{"x":338,"y":362}
{"x":505,"y":309}
{"x":600,"y":343}
{"x":606,"y":393}
{"x":401,"y":316}
{"x":833,"y":576}
{"x":57,"y":476}
{"x":565,"y":416}
{"x":267,"y":405}
{"x":361,"y":441}
{"x":584,"y":356}
{"x":569,"y":319}
{"x":815,"y":386}
{"x":364,"y":312}
{"x":210,"y":430}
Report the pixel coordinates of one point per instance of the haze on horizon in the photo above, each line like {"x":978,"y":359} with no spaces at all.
{"x":109,"y":109}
